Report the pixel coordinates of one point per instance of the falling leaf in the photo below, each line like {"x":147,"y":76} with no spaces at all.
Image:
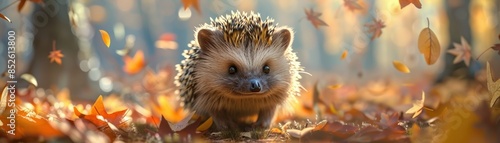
{"x":55,"y":55}
{"x":417,"y":107}
{"x":205,"y":125}
{"x":428,"y":45}
{"x":105,"y":38}
{"x":493,"y":86}
{"x":352,"y":5}
{"x":401,"y":67}
{"x":313,"y":17}
{"x":375,"y":28}
{"x":30,"y":78}
{"x":344,"y":55}
{"x":404,"y":3}
{"x":461,"y":52}
{"x":5,"y":17}
{"x":193,"y":3}
{"x":134,"y":64}
{"x":336,"y":86}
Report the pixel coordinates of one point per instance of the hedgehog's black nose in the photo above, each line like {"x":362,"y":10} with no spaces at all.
{"x":255,"y":85}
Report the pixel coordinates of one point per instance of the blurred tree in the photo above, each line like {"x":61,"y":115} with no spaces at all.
{"x":459,"y":25}
{"x":51,"y":23}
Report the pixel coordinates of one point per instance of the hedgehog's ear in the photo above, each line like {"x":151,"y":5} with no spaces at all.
{"x":282,"y":38}
{"x":206,"y":39}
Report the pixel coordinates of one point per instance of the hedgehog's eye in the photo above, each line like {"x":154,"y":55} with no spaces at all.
{"x":266,"y":69}
{"x":232,"y":70}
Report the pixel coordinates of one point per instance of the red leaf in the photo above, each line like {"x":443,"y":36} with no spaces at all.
{"x":313,"y":17}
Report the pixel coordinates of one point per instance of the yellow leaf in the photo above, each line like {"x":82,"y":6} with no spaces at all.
{"x":30,"y":78}
{"x":333,"y":110}
{"x":428,"y":45}
{"x":401,"y":67}
{"x":5,"y":17}
{"x":344,"y":55}
{"x":105,"y":38}
{"x":493,"y":87}
{"x":336,"y":86}
{"x":205,"y":125}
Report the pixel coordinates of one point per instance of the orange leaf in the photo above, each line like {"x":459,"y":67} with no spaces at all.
{"x":55,"y":55}
{"x":193,"y":3}
{"x":135,"y":64}
{"x":404,"y":3}
{"x":344,"y":55}
{"x":105,"y":38}
{"x":313,"y":17}
{"x":417,"y":107}
{"x":5,"y":17}
{"x":401,"y":67}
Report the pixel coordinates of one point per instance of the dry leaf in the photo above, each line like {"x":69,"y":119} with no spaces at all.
{"x":5,"y":17}
{"x":55,"y":55}
{"x":493,"y":87}
{"x":105,"y":38}
{"x":344,"y":55}
{"x":193,"y":3}
{"x":205,"y":125}
{"x":134,"y":64}
{"x":30,"y":78}
{"x":417,"y":107}
{"x":320,"y":125}
{"x":404,"y":3}
{"x":352,"y":5}
{"x":428,"y":45}
{"x":313,"y":17}
{"x":401,"y":67}
{"x":461,"y":52}
{"x":375,"y":28}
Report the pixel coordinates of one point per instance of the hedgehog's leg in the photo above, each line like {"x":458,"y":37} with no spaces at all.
{"x":223,"y":121}
{"x":265,"y":118}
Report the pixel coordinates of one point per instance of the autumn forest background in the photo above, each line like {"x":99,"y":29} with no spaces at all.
{"x":381,"y":70}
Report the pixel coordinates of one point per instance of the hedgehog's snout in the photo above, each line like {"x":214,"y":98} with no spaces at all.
{"x":255,"y":85}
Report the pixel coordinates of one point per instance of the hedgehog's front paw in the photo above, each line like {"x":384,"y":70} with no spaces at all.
{"x":223,"y":122}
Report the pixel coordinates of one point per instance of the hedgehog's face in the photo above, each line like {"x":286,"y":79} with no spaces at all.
{"x":248,"y":70}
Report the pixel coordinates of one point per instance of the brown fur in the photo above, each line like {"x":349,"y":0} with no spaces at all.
{"x":208,"y":89}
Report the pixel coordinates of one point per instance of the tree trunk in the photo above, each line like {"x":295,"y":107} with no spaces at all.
{"x":51,"y":23}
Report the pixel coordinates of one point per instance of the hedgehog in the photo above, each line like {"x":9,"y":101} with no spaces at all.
{"x":239,"y":66}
